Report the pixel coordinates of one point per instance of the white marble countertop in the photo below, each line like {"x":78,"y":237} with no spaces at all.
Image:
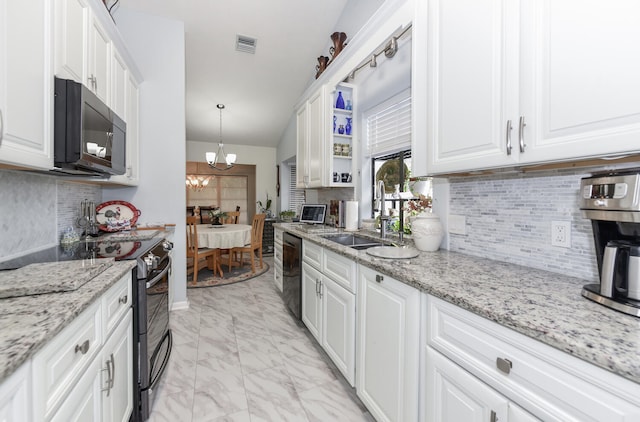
{"x":27,"y":323}
{"x":543,"y":305}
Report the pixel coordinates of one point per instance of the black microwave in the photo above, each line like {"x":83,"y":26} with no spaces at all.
{"x":89,"y":138}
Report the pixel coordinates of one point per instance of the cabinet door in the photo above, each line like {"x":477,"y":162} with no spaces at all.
{"x":15,"y":395}
{"x":580,"y":84}
{"x":454,"y":395}
{"x":131,"y":175}
{"x":117,"y":363}
{"x":311,"y":302}
{"x":388,"y":332}
{"x":72,"y":24}
{"x":83,"y":402}
{"x":119,"y":82}
{"x":316,"y":139}
{"x":472,"y":79}
{"x":99,"y":60}
{"x":302,"y":148}
{"x":338,"y":327}
{"x":26,"y":91}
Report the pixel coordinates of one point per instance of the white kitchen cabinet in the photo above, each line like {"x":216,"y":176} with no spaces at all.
{"x":454,"y":395}
{"x":99,"y":60}
{"x":338,"y":326}
{"x":539,"y":381}
{"x":15,"y":395}
{"x":86,"y":371}
{"x":131,"y":117}
{"x":119,"y":81}
{"x":311,"y":300}
{"x":310,"y":120}
{"x":533,"y":82}
{"x":277,"y":257}
{"x":71,"y":39}
{"x":387,"y":344}
{"x":26,"y":85}
{"x":329,"y":305}
{"x":117,"y":384}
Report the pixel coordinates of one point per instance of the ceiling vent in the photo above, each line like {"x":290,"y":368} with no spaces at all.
{"x":246,"y":44}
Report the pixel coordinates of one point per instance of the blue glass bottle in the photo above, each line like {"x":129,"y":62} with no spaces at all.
{"x":340,"y":101}
{"x":334,"y":123}
{"x":347,"y":128}
{"x":348,"y":107}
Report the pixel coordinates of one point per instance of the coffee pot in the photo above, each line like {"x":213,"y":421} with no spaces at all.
{"x":621,"y":270}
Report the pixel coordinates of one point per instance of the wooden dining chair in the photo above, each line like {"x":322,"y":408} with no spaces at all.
{"x":257,"y":227}
{"x":200,"y":257}
{"x":231,"y":218}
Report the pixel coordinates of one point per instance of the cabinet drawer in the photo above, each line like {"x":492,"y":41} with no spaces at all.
{"x":60,"y":363}
{"x":115,"y":303}
{"x":277,"y":236}
{"x":312,"y":254}
{"x":340,"y":269}
{"x":550,"y":384}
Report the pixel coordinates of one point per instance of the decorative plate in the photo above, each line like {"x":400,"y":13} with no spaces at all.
{"x":117,"y":250}
{"x":114,"y":216}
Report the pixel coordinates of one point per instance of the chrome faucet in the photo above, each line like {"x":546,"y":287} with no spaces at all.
{"x":380,"y":205}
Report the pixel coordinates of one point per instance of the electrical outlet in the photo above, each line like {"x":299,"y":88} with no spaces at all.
{"x":561,"y":234}
{"x":457,"y":224}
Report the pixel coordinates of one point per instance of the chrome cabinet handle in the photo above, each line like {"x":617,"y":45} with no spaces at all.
{"x":494,"y":416}
{"x":320,"y":290}
{"x":504,"y":365}
{"x":113,"y":371}
{"x":123,"y":299}
{"x":508,"y":136}
{"x":82,"y":348}
{"x":317,"y":292}
{"x":521,"y":133}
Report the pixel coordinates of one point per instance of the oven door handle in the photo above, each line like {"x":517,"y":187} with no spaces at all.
{"x":159,"y":277}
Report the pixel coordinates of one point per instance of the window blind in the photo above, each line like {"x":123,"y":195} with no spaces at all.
{"x":296,"y":196}
{"x":389,"y":126}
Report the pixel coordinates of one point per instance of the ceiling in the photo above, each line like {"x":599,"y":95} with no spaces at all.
{"x":259,"y":90}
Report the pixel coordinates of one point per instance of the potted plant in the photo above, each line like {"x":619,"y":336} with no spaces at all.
{"x":266,"y":208}
{"x":287,"y":215}
{"x":216,"y":215}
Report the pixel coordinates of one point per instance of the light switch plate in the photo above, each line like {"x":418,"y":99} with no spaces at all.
{"x":457,"y":224}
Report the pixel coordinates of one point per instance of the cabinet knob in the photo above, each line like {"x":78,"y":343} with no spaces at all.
{"x":82,"y":348}
{"x":123,"y":299}
{"x":504,"y":365}
{"x":379,"y":278}
{"x":494,"y":416}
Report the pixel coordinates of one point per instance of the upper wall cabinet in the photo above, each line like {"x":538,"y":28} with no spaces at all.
{"x":26,"y":85}
{"x":325,"y":138}
{"x":530,"y":82}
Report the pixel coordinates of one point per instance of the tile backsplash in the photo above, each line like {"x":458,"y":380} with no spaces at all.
{"x":35,"y":210}
{"x":508,"y":218}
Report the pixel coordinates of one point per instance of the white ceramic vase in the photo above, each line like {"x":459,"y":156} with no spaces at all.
{"x":427,"y":232}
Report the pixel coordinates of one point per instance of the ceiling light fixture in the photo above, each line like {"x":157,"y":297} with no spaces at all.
{"x":197,"y":183}
{"x":220,"y":160}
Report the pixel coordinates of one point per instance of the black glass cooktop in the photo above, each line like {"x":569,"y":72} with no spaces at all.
{"x":119,"y":250}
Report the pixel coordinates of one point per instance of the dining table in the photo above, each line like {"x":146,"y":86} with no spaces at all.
{"x":223,"y":236}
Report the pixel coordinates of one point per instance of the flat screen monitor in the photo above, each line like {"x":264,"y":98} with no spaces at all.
{"x":313,"y":214}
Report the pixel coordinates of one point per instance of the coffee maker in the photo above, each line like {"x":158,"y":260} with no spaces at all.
{"x":612,"y":202}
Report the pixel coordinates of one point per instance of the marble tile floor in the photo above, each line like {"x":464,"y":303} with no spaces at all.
{"x":239,"y":356}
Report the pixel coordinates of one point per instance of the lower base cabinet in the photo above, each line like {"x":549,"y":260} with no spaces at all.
{"x":387,"y":344}
{"x":454,"y":395}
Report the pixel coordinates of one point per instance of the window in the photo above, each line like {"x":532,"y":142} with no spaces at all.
{"x":296,"y":196}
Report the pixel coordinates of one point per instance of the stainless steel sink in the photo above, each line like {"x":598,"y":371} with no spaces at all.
{"x":354,"y":241}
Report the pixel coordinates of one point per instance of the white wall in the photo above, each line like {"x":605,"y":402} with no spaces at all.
{"x":264,"y":158}
{"x":157,"y":45}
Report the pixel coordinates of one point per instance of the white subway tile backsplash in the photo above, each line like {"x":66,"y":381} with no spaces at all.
{"x":508,"y":218}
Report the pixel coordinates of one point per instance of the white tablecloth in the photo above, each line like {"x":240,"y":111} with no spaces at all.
{"x":226,"y":236}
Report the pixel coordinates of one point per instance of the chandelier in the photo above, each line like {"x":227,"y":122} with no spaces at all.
{"x":197,"y":183}
{"x":220,"y":160}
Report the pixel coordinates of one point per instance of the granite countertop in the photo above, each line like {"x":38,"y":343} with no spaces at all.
{"x":29,"y":322}
{"x":543,"y":305}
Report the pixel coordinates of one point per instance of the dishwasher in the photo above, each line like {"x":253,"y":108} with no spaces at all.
{"x":292,"y":273}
